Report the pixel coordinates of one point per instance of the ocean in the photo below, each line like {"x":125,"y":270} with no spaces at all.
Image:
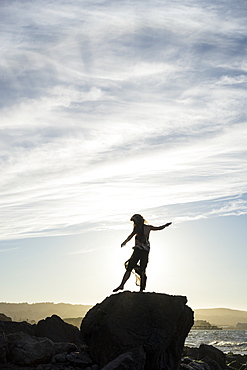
{"x":234,"y":341}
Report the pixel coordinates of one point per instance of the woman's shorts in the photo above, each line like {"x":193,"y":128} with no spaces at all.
{"x":138,"y":255}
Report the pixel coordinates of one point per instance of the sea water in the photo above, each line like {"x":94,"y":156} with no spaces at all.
{"x":234,"y":341}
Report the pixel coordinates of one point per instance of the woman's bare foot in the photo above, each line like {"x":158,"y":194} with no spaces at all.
{"x":120,"y":287}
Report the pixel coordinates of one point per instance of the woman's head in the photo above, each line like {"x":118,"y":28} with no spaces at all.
{"x":138,"y":226}
{"x":137,"y":219}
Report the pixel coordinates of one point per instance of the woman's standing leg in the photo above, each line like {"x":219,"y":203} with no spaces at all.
{"x":143,"y":281}
{"x":143,"y":265}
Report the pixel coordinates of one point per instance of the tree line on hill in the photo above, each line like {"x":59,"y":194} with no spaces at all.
{"x":37,"y":311}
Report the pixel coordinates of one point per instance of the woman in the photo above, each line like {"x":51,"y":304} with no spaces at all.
{"x":139,"y":258}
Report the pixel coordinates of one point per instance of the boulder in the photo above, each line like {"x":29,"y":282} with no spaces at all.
{"x":3,"y":317}
{"x":191,"y":352}
{"x":3,"y":349}
{"x":213,"y":365}
{"x":156,"y":323}
{"x":64,"y":347}
{"x":195,"y":365}
{"x":236,"y":361}
{"x":27,"y":350}
{"x":131,"y":360}
{"x":80,"y":359}
{"x":213,"y":353}
{"x":8,"y":327}
{"x":57,"y":330}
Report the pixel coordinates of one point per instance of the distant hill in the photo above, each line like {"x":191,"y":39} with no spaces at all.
{"x":38,"y":311}
{"x":74,"y":312}
{"x":221,"y":316}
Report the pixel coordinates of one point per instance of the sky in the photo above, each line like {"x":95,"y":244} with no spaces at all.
{"x":111,"y":108}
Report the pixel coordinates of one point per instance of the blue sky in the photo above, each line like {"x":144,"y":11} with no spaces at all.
{"x":110,"y":108}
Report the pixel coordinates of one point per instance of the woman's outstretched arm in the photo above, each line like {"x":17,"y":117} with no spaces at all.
{"x":128,"y":239}
{"x":160,"y":227}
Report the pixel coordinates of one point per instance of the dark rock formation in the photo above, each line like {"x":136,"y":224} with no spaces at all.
{"x":65,"y":347}
{"x":57,"y":330}
{"x":207,"y":351}
{"x":207,"y":357}
{"x":27,"y":350}
{"x":237,"y":361}
{"x":154,"y":324}
{"x":4,"y":317}
{"x":8,"y":327}
{"x":3,"y":349}
{"x":134,"y":360}
{"x":19,"y":350}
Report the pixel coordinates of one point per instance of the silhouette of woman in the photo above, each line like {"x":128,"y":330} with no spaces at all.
{"x":139,"y":259}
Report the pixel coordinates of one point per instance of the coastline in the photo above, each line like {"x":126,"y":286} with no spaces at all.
{"x":198,"y":356}
{"x":228,"y":341}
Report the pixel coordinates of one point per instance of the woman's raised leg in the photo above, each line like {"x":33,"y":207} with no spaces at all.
{"x":125,"y":278}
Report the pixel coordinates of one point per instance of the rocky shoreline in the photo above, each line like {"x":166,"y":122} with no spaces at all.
{"x":126,"y":331}
{"x":207,"y":357}
{"x":68,"y":357}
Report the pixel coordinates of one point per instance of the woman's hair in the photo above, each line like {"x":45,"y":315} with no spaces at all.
{"x":138,"y":226}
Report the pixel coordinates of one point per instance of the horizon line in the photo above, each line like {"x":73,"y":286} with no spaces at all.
{"x":90,"y":304}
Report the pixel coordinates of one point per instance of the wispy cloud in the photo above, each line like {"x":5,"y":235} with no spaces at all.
{"x":228,"y":206}
{"x":102,"y":114}
{"x":3,"y":250}
{"x":84,"y":250}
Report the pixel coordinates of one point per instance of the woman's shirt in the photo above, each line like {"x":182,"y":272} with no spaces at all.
{"x":143,"y":245}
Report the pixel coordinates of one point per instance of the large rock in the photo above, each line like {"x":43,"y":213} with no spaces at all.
{"x":27,"y":350}
{"x":3,"y":317}
{"x":208,"y":351}
{"x":207,"y":357}
{"x":131,"y":360}
{"x":3,"y":349}
{"x":57,"y":330}
{"x":8,"y":327}
{"x":157,"y":323}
